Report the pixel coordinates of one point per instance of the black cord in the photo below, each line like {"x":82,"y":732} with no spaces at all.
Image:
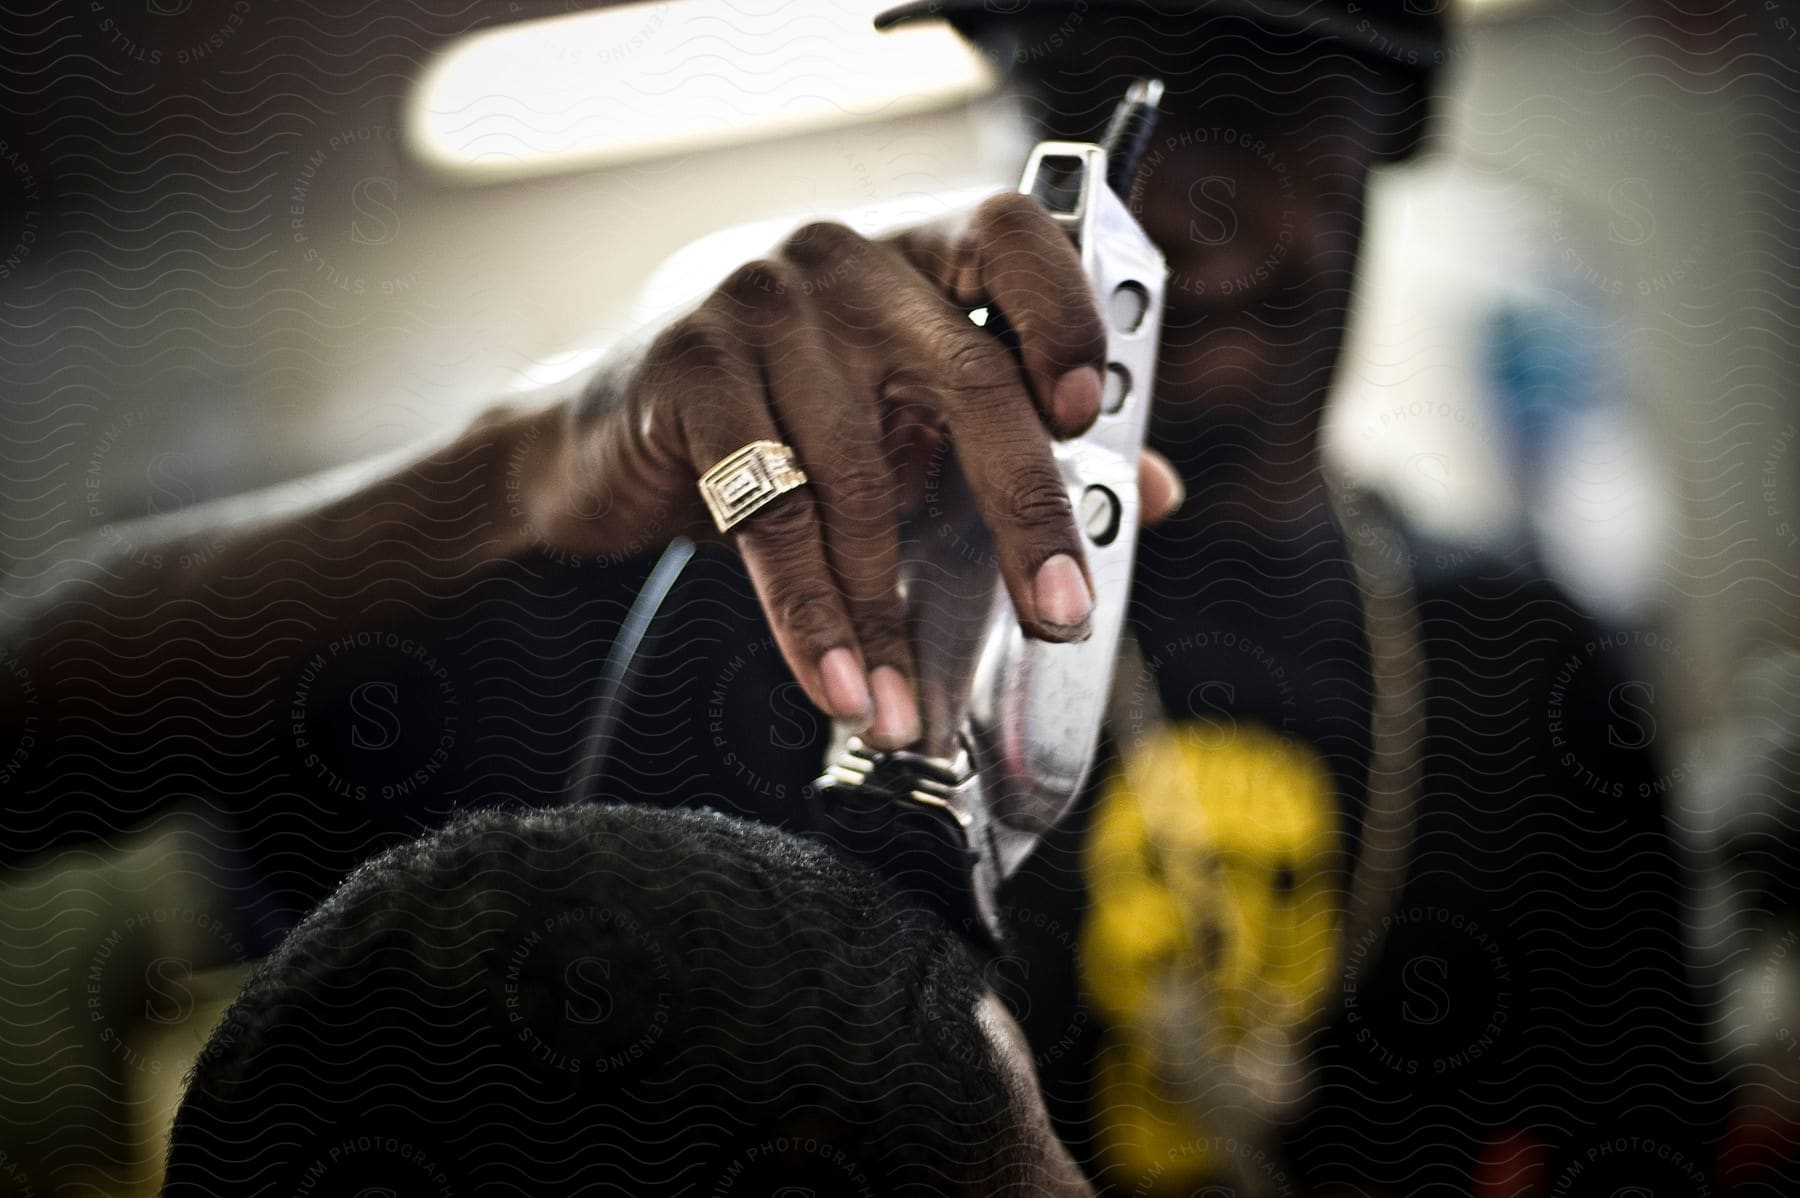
{"x":1128,"y":134}
{"x":618,"y":674}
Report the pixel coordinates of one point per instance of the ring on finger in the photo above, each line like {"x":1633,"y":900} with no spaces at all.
{"x":746,"y":480}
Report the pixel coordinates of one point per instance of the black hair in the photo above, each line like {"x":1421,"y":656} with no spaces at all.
{"x":603,"y":999}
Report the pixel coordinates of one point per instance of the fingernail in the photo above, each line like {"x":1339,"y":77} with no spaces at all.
{"x":1061,"y":594}
{"x":1076,"y":399}
{"x":896,"y":714}
{"x":845,"y":687}
{"x":1170,"y":479}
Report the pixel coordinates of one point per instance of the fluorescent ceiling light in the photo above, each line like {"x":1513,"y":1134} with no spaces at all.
{"x":646,"y":80}
{"x":1483,"y":12}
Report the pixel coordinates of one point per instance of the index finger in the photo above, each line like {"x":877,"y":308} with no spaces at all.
{"x":1005,"y":455}
{"x":1011,"y":255}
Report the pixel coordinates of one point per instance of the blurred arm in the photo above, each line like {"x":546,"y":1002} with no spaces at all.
{"x":170,"y":638}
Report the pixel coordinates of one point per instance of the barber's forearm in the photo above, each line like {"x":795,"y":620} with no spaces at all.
{"x":225,"y":593}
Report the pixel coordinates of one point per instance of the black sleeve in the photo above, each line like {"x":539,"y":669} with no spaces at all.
{"x":362,"y":741}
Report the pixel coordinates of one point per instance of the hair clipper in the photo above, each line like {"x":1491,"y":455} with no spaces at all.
{"x":1011,"y":724}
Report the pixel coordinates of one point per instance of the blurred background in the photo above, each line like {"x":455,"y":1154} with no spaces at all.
{"x":241,"y":242}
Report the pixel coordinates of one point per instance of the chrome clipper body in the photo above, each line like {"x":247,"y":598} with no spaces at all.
{"x":1012,"y":724}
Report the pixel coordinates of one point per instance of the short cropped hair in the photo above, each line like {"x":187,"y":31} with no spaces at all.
{"x":603,"y":999}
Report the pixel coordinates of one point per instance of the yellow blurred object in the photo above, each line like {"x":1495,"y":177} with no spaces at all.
{"x":1211,"y":938}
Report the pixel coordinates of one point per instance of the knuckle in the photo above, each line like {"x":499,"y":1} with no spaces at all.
{"x":1064,"y":336}
{"x":930,"y":249}
{"x":1011,"y":212}
{"x":1082,"y":339}
{"x":881,"y":630}
{"x":1031,"y":495}
{"x":825,"y":254}
{"x":785,"y":533}
{"x":822,"y":244}
{"x":756,"y":285}
{"x":867,"y":503}
{"x":695,"y":379}
{"x":808,"y":612}
{"x":974,"y":369}
{"x":692,"y":378}
{"x":800,"y":600}
{"x":698,"y":349}
{"x":861,"y":485}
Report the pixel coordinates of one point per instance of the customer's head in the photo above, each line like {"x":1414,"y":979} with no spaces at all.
{"x":611,"y":999}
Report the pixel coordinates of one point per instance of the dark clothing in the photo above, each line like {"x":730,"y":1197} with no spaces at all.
{"x":1531,"y":978}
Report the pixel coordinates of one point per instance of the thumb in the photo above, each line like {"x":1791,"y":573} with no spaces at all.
{"x":1160,"y":490}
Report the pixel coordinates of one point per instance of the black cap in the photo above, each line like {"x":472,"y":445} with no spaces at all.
{"x":1406,"y":32}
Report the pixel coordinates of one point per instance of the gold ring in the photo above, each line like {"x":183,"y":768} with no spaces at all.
{"x":745,"y":480}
